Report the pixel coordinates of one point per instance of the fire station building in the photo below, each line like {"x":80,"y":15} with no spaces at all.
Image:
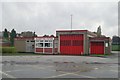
{"x":66,"y":42}
{"x":79,"y":42}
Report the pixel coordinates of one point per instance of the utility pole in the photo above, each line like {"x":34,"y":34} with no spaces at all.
{"x":71,"y":22}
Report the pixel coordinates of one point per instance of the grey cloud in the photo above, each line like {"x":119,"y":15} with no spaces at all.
{"x":45,"y":18}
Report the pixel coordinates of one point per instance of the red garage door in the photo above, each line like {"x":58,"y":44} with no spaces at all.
{"x":97,"y":47}
{"x":71,"y":44}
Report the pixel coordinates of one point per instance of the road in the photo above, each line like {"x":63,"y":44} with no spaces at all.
{"x":58,"y":66}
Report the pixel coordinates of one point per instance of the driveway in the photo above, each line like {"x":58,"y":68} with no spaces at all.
{"x":58,"y":66}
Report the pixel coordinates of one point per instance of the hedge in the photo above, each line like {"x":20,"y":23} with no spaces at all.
{"x":115,"y":47}
{"x":7,"y":49}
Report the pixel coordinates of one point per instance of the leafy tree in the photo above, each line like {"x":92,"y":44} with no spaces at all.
{"x":12,"y":36}
{"x":51,"y":35}
{"x":5,"y":34}
{"x":99,"y":31}
{"x":34,"y":34}
{"x":46,"y":35}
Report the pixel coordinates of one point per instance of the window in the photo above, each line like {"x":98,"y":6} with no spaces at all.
{"x":106,"y":44}
{"x":39,"y":45}
{"x":50,"y":40}
{"x":41,"y":40}
{"x":32,"y":41}
{"x":37,"y":40}
{"x":46,"y":40}
{"x":48,"y":44}
{"x":51,"y":44}
{"x":27,"y":41}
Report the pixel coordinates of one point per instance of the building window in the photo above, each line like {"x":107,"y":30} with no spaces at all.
{"x":50,"y":40}
{"x":51,"y":45}
{"x":39,"y":45}
{"x":106,"y":45}
{"x":27,"y":41}
{"x":41,"y":40}
{"x":44,"y":43}
{"x":32,"y":41}
{"x":37,"y":40}
{"x":47,"y":44}
{"x":46,"y":40}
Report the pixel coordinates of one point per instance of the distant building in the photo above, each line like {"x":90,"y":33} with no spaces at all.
{"x":116,"y":40}
{"x":18,"y":35}
{"x":27,"y":34}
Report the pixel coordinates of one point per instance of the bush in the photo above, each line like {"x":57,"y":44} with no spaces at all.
{"x":115,"y":47}
{"x":8,"y":50}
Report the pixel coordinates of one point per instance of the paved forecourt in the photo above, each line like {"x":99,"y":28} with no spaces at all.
{"x":56,"y":66}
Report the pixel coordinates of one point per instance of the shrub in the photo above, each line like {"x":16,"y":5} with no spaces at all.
{"x":115,"y":47}
{"x":8,"y":50}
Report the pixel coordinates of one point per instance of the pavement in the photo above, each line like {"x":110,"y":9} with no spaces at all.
{"x":58,"y":66}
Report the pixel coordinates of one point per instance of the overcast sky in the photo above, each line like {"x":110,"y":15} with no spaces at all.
{"x":47,"y":17}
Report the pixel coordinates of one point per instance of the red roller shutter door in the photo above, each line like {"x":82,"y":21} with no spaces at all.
{"x":97,"y":47}
{"x":71,"y":44}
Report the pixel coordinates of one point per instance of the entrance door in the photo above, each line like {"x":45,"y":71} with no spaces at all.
{"x":71,"y":44}
{"x":96,"y":47}
{"x":30,"y":46}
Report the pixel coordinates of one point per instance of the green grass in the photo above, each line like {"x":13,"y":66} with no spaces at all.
{"x":115,"y":47}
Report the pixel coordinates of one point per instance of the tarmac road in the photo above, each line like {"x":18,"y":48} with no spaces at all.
{"x":56,"y":66}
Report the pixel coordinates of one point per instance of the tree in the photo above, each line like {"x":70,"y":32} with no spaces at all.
{"x":5,"y":34}
{"x":12,"y":36}
{"x":34,"y":34}
{"x":51,"y":35}
{"x":99,"y":31}
{"x":46,"y":35}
